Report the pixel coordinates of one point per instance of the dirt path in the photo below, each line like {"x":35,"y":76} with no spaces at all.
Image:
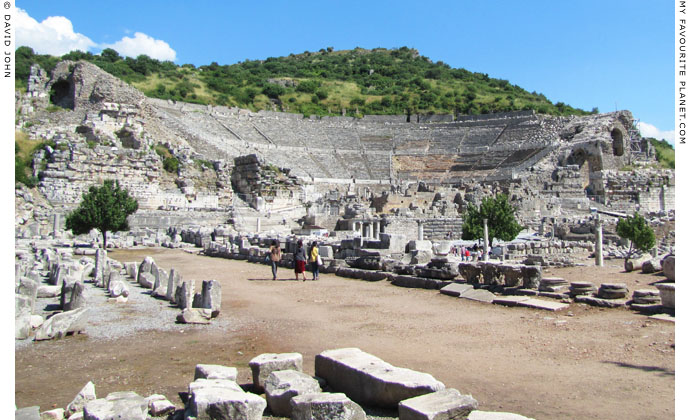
{"x":583,"y":362}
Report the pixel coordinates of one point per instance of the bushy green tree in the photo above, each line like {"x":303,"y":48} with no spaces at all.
{"x":104,"y":208}
{"x":636,"y":230}
{"x":500,"y":216}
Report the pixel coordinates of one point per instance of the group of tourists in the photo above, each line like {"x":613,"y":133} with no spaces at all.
{"x":466,"y":253}
{"x":302,"y":256}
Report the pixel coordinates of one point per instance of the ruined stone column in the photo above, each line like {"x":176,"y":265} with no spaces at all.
{"x":553,"y":230}
{"x":485,"y":255}
{"x":541,"y":227}
{"x":376,"y":230}
{"x":366,"y":228}
{"x":258,"y":225}
{"x":56,"y":225}
{"x":420,"y":230}
{"x":598,"y":249}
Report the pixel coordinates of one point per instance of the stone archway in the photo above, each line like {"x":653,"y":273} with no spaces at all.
{"x":61,"y":94}
{"x":618,"y":143}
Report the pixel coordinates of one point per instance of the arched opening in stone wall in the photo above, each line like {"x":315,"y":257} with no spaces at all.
{"x":588,"y":163}
{"x":618,"y":144}
{"x":60,"y":94}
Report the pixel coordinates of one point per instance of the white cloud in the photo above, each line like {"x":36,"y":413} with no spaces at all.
{"x":648,"y":130}
{"x":143,"y":44}
{"x":54,"y":36}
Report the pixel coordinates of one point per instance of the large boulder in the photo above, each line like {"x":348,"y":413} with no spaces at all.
{"x":325,"y":406}
{"x":282,"y":385}
{"x":145,"y":267}
{"x":59,"y":325}
{"x":117,"y":405}
{"x":368,"y":380}
{"x":263,"y":364}
{"x":440,"y":405}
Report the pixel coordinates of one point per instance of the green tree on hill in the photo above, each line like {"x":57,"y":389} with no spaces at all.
{"x":104,"y":208}
{"x":500,"y":216}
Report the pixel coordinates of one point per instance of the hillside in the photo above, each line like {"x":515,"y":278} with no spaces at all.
{"x":355,"y":82}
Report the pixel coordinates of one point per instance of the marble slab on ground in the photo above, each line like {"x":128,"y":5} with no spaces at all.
{"x":510,"y":300}
{"x":664,"y":317}
{"x":547,"y":305}
{"x":456,"y":289}
{"x":478,"y":295}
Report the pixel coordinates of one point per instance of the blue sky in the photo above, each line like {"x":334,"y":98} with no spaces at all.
{"x":606,"y":54}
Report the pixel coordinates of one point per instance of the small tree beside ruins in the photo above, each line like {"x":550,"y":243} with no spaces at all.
{"x":500,"y":216}
{"x":104,"y":208}
{"x":636,"y":230}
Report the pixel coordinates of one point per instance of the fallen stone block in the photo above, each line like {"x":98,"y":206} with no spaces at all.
{"x":211,"y":403}
{"x":603,"y":303}
{"x":478,"y":295}
{"x":117,"y":405}
{"x":419,"y":282}
{"x":470,"y":271}
{"x":159,"y":405}
{"x":184,"y":294}
{"x":282,"y":385}
{"x":509,"y":300}
{"x":174,"y":281}
{"x":213,"y":383}
{"x":368,"y":380}
{"x":636,"y":264}
{"x":146,"y":280}
{"x":667,"y":293}
{"x":543,"y":304}
{"x":325,"y":406}
{"x":22,"y":317}
{"x":211,"y":296}
{"x":652,"y":266}
{"x":55,"y":414}
{"x":59,"y":325}
{"x":440,"y":405}
{"x":495,"y":415}
{"x":194,"y":316}
{"x":28,"y":413}
{"x":670,"y":267}
{"x":118,"y":288}
{"x":456,"y":289}
{"x":45,"y":291}
{"x":263,"y":364}
{"x":215,"y":372}
{"x":87,"y":393}
{"x":531,"y":276}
